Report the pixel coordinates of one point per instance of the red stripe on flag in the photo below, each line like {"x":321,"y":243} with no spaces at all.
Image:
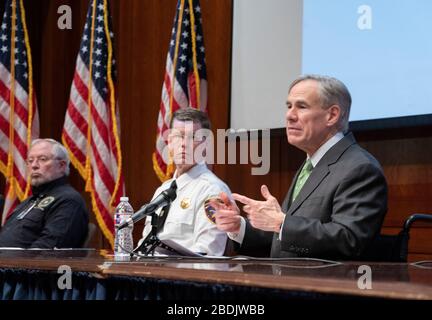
{"x":19,"y":109}
{"x":20,"y":145}
{"x":74,"y":148}
{"x":104,"y":173}
{"x":193,"y":99}
{"x":3,"y":156}
{"x":4,"y":91}
{"x":112,"y":136}
{"x":77,"y":118}
{"x":4,"y":126}
{"x":106,"y":215}
{"x":100,"y":125}
{"x":22,"y":182}
{"x":80,"y":86}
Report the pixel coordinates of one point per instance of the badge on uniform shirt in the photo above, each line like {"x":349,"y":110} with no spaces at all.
{"x":209,"y":209}
{"x":45,"y":202}
{"x":185,"y":203}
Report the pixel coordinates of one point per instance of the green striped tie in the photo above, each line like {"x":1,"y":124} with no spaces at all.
{"x":303,"y":176}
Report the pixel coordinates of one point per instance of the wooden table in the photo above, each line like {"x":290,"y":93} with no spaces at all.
{"x":389,"y":280}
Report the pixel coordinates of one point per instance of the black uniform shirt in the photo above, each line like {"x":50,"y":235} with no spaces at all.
{"x":55,"y":216}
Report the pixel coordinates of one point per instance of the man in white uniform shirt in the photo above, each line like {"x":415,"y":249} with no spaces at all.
{"x":187,"y":222}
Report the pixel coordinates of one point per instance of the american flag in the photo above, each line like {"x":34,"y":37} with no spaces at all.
{"x":185,"y":83}
{"x":91,"y":130}
{"x":19,"y":121}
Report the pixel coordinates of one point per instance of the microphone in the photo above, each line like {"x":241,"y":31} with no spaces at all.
{"x":164,"y":198}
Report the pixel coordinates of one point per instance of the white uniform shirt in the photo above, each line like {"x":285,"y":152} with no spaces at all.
{"x":187,"y":222}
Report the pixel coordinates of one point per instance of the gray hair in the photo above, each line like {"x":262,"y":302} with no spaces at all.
{"x":58,"y":150}
{"x":331,"y":91}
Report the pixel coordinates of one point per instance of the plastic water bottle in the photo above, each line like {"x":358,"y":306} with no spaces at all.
{"x":123,"y":243}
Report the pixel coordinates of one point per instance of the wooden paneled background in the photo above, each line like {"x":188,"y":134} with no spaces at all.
{"x":142,"y":31}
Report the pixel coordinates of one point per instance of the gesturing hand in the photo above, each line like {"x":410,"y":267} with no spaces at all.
{"x":265,"y":215}
{"x":227,"y":214}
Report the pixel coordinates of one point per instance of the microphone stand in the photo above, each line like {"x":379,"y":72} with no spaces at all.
{"x":151,"y":242}
{"x":149,"y":245}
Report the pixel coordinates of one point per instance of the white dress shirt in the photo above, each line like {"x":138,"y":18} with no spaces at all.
{"x":315,"y":158}
{"x":187,"y":222}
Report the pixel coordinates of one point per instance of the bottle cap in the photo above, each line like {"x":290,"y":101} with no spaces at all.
{"x":124,"y":198}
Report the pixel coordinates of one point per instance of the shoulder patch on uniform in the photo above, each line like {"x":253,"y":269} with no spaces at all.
{"x":209,"y":209}
{"x":45,"y":202}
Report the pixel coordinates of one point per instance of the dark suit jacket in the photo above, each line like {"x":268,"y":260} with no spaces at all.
{"x":339,"y":210}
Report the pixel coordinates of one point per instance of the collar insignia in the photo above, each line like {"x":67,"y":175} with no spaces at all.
{"x":45,"y":202}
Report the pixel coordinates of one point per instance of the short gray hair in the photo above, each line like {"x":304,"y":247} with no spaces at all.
{"x":331,"y":91}
{"x":58,"y":150}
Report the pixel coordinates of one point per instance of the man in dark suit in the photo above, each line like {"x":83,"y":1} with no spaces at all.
{"x":338,"y":199}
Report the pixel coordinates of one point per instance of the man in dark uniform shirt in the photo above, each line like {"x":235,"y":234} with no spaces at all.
{"x":55,"y":216}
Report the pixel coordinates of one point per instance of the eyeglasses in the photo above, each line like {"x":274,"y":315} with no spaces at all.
{"x":40,"y":160}
{"x":188,"y":137}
